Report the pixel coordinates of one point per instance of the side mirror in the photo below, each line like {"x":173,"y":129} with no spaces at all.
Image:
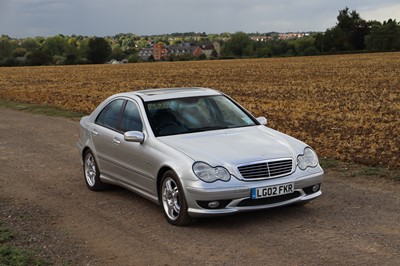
{"x":134,"y":136}
{"x":262,"y":120}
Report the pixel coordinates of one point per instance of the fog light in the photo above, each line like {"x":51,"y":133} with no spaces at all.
{"x":315,"y":188}
{"x":213,"y":204}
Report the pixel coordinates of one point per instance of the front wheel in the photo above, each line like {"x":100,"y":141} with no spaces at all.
{"x":173,"y":200}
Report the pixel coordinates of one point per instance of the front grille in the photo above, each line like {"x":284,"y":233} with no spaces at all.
{"x":266,"y":170}
{"x":270,"y":200}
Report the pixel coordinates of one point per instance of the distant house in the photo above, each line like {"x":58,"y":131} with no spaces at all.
{"x":261,"y":38}
{"x":113,"y":62}
{"x":197,"y":51}
{"x":179,"y":50}
{"x":160,"y":51}
{"x":290,"y":35}
{"x":209,"y":48}
{"x":116,"y":62}
{"x":280,"y":36}
{"x":145,"y":53}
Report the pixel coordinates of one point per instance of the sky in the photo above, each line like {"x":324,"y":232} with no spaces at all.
{"x":30,"y":18}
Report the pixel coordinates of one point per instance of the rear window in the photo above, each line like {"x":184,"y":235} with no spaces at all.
{"x":108,"y":117}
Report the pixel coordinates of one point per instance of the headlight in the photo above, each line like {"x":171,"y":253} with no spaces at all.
{"x":308,"y":159}
{"x":210,"y":174}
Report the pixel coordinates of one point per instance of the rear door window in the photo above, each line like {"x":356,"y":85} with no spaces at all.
{"x":109,"y":116}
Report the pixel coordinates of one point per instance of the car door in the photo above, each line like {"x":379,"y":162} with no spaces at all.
{"x":133,"y":170}
{"x":103,"y":135}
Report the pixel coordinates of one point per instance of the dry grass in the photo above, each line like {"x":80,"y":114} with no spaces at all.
{"x":346,"y":106}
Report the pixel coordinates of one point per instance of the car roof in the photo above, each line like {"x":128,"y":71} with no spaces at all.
{"x":171,"y":93}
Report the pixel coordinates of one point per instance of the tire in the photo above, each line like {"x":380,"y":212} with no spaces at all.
{"x":173,"y":200}
{"x":91,"y":172}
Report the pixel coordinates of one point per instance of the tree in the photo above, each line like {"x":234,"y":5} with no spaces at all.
{"x":384,"y":37}
{"x":214,"y":54}
{"x":213,"y":37}
{"x":281,"y":47}
{"x":117,"y":53}
{"x":30,"y":44}
{"x":311,"y":50}
{"x":263,"y":52}
{"x":54,"y":45}
{"x":6,"y":48}
{"x":142,"y":43}
{"x":83,"y":48}
{"x":19,"y":52}
{"x":322,"y":43}
{"x":71,"y":54}
{"x":202,"y":57}
{"x":238,"y":45}
{"x":305,"y":46}
{"x":189,"y":39}
{"x":133,"y":58}
{"x":353,"y":29}
{"x":348,"y":34}
{"x":38,"y":58}
{"x":128,"y":45}
{"x":10,"y":62}
{"x":98,"y":51}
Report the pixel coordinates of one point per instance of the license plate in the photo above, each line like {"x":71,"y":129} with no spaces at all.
{"x":272,"y":191}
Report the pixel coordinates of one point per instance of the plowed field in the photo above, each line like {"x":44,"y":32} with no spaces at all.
{"x":346,"y":106}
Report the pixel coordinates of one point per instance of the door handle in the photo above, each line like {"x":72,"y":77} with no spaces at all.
{"x":116,"y":141}
{"x":94,"y":132}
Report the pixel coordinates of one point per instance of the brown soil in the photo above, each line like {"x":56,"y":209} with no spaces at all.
{"x":43,"y":198}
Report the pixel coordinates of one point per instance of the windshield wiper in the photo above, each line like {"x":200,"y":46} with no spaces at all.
{"x":201,"y":129}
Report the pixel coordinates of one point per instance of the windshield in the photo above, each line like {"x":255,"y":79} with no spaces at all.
{"x":195,"y":114}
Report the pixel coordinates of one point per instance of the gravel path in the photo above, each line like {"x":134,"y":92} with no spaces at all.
{"x":44,"y":199}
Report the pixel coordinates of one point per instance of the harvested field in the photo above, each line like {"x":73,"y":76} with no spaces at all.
{"x":345,"y":106}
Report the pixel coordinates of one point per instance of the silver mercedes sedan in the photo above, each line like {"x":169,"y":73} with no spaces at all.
{"x":196,"y":152}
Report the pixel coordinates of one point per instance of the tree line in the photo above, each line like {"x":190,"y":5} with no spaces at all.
{"x":55,"y":50}
{"x":350,"y":34}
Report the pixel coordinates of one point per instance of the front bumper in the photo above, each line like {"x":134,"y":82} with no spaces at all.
{"x":237,"y":198}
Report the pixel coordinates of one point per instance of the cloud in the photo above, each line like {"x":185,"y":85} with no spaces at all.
{"x":382,"y":13}
{"x":23,"y":18}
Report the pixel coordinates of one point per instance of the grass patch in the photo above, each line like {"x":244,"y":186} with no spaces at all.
{"x":362,"y":170}
{"x":40,"y":109}
{"x":355,"y":169}
{"x":14,"y":256}
{"x":378,"y":171}
{"x":10,"y":255}
{"x":5,"y":233}
{"x":328,"y":163}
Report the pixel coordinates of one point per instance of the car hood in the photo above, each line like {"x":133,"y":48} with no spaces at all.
{"x":233,"y":146}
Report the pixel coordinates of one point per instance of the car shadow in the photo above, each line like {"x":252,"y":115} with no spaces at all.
{"x":233,"y":221}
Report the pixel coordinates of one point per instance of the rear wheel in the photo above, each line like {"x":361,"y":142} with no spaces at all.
{"x":91,"y":172}
{"x":173,"y":200}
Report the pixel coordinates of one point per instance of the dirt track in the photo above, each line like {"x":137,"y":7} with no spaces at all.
{"x":43,"y":196}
